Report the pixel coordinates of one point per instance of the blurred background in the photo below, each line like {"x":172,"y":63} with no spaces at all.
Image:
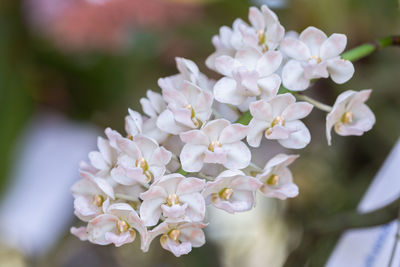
{"x":69,"y":68}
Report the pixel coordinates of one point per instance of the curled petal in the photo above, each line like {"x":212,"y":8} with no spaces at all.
{"x":225,"y":92}
{"x":79,"y":232}
{"x":167,"y":123}
{"x":299,"y":136}
{"x":150,"y":211}
{"x":256,"y":131}
{"x":340,"y":70}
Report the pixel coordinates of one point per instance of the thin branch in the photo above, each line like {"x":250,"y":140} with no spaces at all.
{"x":314,"y":102}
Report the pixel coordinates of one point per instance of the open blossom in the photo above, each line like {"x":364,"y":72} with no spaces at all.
{"x":152,"y":106}
{"x":350,"y":115}
{"x":174,"y":196}
{"x":250,"y":73}
{"x":141,"y":160}
{"x":232,"y":191}
{"x":279,"y":119}
{"x":188,"y":71}
{"x":217,"y":142}
{"x":188,"y":108}
{"x":117,"y":226}
{"x":277,"y":179}
{"x":314,"y":55}
{"x":178,"y":238}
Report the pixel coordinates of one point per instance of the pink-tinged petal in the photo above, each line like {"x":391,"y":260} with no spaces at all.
{"x":333,"y":46}
{"x":150,"y":211}
{"x":225,"y":65}
{"x":261,"y":110}
{"x":358,"y":98}
{"x":177,"y":248}
{"x":87,"y":168}
{"x":246,"y":183}
{"x":225,"y":91}
{"x":340,"y":70}
{"x":154,"y":192}
{"x":174,"y":213}
{"x":214,"y":128}
{"x":167,"y":123}
{"x":240,"y":201}
{"x":190,"y":185}
{"x":84,"y":187}
{"x":121,"y":175}
{"x":295,"y":49}
{"x":170,"y":182}
{"x":112,"y":136}
{"x":316,"y":71}
{"x":160,"y":157}
{"x":187,"y":67}
{"x":156,"y":231}
{"x":193,"y":233}
{"x":269,"y":86}
{"x":256,"y":18}
{"x":269,"y":16}
{"x":146,"y":145}
{"x":293,"y":76}
{"x":79,"y":232}
{"x":196,"y":207}
{"x":99,"y":226}
{"x":248,"y":82}
{"x":233,"y":133}
{"x":147,"y":107}
{"x":151,"y":130}
{"x":280,"y":159}
{"x":363,"y":121}
{"x":313,"y":38}
{"x":256,"y":132}
{"x":269,"y":63}
{"x":297,"y":111}
{"x":119,"y":240}
{"x":128,"y":147}
{"x":249,"y":57}
{"x":174,"y":96}
{"x":219,"y":156}
{"x":109,"y":153}
{"x":238,"y":155}
{"x":156,"y":101}
{"x":134,"y":122}
{"x":105,"y":187}
{"x":299,"y":137}
{"x":286,"y":191}
{"x":84,"y":208}
{"x":195,"y":137}
{"x":275,"y":34}
{"x":97,"y":160}
{"x":182,"y":115}
{"x":278,"y":133}
{"x":192,"y":157}
{"x":280,"y":103}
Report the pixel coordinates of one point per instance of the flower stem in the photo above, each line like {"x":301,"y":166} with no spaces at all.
{"x":396,"y":241}
{"x":367,"y":49}
{"x":314,"y":102}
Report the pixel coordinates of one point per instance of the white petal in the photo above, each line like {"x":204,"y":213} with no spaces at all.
{"x":269,"y":85}
{"x":297,"y":111}
{"x":256,"y":18}
{"x":195,"y":137}
{"x":196,"y":206}
{"x":340,"y":70}
{"x":295,"y":49}
{"x":333,"y":46}
{"x":269,"y":63}
{"x":293,"y":76}
{"x":313,"y":38}
{"x":214,"y":128}
{"x":299,"y":137}
{"x":225,"y":92}
{"x":233,"y":133}
{"x":238,"y":155}
{"x":192,"y":157}
{"x":256,"y":131}
{"x":167,"y":123}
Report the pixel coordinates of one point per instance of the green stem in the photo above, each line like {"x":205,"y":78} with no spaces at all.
{"x":367,"y":49}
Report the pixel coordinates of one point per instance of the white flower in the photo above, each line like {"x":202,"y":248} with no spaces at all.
{"x":176,"y":197}
{"x":349,"y":114}
{"x":232,"y":191}
{"x":178,"y":238}
{"x":226,"y":43}
{"x":90,"y":200}
{"x":188,"y":71}
{"x":314,"y":55}
{"x":249,"y":74}
{"x":279,"y":118}
{"x":117,"y":226}
{"x":265,"y":32}
{"x":105,"y":159}
{"x":277,"y":179}
{"x":217,"y":142}
{"x":141,"y":160}
{"x":188,"y":108}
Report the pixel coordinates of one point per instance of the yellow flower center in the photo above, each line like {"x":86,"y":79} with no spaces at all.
{"x":142,"y":163}
{"x":197,"y":123}
{"x":347,"y":117}
{"x":317,"y":58}
{"x":213,"y":145}
{"x":174,"y":235}
{"x":172,"y":199}
{"x":98,"y":200}
{"x":122,"y":226}
{"x":279,"y":120}
{"x":226,"y":193}
{"x":273,"y":179}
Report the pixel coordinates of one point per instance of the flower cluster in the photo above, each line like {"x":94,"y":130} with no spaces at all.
{"x":182,"y":155}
